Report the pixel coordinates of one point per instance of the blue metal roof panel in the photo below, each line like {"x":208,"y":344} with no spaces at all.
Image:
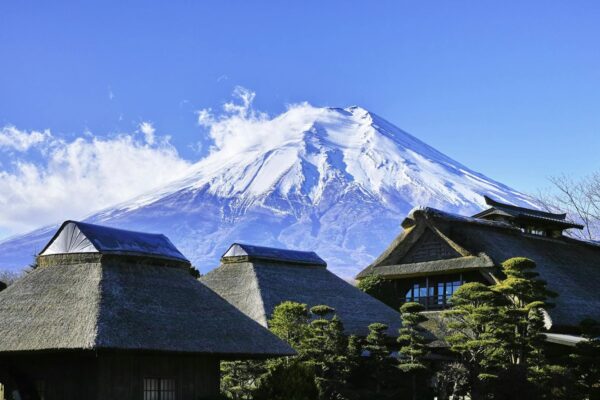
{"x":274,"y":254}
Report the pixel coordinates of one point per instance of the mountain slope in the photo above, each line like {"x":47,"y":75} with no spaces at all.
{"x":337,"y":181}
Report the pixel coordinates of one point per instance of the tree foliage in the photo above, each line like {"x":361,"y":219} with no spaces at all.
{"x":520,"y":327}
{"x":413,"y":345}
{"x":324,"y":355}
{"x":473,"y":323}
{"x":498,"y":334}
{"x":378,"y":363}
{"x":585,"y":361}
{"x":240,"y":379}
{"x":370,"y":283}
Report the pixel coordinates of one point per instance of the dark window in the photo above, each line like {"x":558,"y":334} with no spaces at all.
{"x":434,"y":292}
{"x":159,"y":389}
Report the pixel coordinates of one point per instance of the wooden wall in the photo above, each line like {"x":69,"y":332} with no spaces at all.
{"x":111,"y":375}
{"x":68,"y":376}
{"x":121,"y":375}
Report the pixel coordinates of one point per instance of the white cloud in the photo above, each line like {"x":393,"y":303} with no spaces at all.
{"x":12,"y":138}
{"x":148,"y":130}
{"x":77,"y":177}
{"x":236,"y":122}
{"x":239,"y":127}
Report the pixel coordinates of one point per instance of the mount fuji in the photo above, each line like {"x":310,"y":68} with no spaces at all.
{"x":336,"y":181}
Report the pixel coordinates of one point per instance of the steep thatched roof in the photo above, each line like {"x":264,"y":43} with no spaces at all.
{"x":136,"y":302}
{"x":571,"y":267}
{"x":257,"y":286}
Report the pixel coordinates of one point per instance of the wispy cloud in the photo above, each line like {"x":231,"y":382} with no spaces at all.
{"x":12,"y":138}
{"x":76,"y":177}
{"x":148,"y":130}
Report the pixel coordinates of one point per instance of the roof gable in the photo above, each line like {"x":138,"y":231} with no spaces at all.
{"x":429,"y":247}
{"x":75,"y":237}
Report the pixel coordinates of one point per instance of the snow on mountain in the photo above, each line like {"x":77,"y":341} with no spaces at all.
{"x":337,"y":181}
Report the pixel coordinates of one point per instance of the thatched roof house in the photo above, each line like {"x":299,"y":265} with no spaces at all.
{"x":256,"y":279}
{"x":116,"y":314}
{"x":438,"y":251}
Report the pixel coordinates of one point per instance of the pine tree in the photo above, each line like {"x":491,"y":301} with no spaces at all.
{"x":318,"y":338}
{"x":290,"y":378}
{"x":370,"y":283}
{"x":585,"y":361}
{"x":239,"y":379}
{"x":521,"y":325}
{"x":472,"y":321}
{"x":452,"y":381}
{"x":412,"y":342}
{"x":290,"y":322}
{"x":325,"y":348}
{"x":379,"y":362}
{"x":353,"y":356}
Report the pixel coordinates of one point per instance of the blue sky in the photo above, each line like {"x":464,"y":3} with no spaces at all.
{"x":511,"y":88}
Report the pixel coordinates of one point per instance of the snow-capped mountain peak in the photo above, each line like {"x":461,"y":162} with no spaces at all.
{"x":338,"y":181}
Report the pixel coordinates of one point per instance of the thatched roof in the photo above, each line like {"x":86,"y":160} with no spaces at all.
{"x":526,"y":214}
{"x":79,"y":237}
{"x":257,"y":286}
{"x":141,"y":302}
{"x":571,"y":267}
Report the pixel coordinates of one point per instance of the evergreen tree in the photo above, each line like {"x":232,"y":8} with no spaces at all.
{"x":412,"y":342}
{"x":519,"y":332}
{"x":353,"y":356}
{"x":290,"y":322}
{"x":289,"y":377}
{"x":293,"y":380}
{"x":472,"y":321}
{"x":239,"y":379}
{"x":321,"y":346}
{"x":326,"y":346}
{"x":585,"y":361}
{"x":379,"y":362}
{"x":370,"y":283}
{"x":452,"y":381}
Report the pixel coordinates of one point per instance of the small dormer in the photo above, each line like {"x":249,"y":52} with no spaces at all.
{"x":239,"y":252}
{"x":528,"y":220}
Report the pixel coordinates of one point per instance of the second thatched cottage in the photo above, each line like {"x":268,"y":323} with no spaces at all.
{"x":256,"y":279}
{"x":114,"y":314}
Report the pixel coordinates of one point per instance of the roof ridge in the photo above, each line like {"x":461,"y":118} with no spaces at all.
{"x":260,"y":297}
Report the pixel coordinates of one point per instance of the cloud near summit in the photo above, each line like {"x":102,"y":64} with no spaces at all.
{"x":240,"y":127}
{"x":45,"y":179}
